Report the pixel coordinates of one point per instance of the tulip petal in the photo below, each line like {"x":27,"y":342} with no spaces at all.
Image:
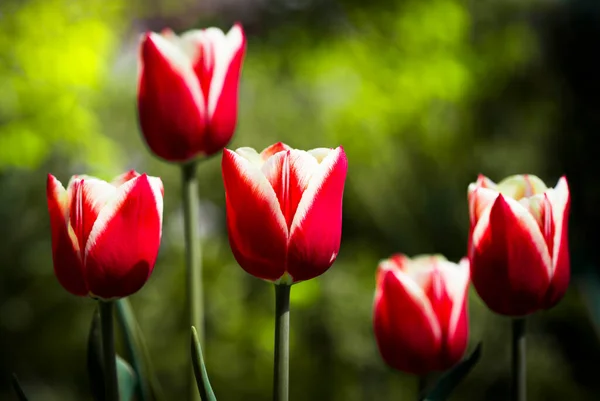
{"x":251,"y":155}
{"x":170,"y":101}
{"x":123,"y":178}
{"x":124,"y":242}
{"x":223,"y":95}
{"x":200,"y":45}
{"x":456,"y":279}
{"x":257,"y":230}
{"x":68,"y":267}
{"x":406,"y":327}
{"x":316,"y":229}
{"x":510,"y":262}
{"x":560,"y":199}
{"x":88,"y":195}
{"x":289,"y":173}
{"x":273,"y":149}
{"x":521,"y":186}
{"x":480,"y":198}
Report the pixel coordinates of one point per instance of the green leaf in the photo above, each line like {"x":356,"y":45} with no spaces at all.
{"x":125,"y":374}
{"x":451,"y":379}
{"x":206,"y":392}
{"x":17,"y":387}
{"x":127,"y":380}
{"x":148,"y":388}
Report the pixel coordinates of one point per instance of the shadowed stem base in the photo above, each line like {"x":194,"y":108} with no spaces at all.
{"x":519,"y":361}
{"x":421,"y":387}
{"x":108,"y":351}
{"x":281,"y":372}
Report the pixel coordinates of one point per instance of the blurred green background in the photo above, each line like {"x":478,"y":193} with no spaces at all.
{"x":423,"y":95}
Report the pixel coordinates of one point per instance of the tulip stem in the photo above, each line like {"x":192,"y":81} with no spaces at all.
{"x":193,"y":259}
{"x":281,"y":372}
{"x":519,"y":361}
{"x":108,"y":351}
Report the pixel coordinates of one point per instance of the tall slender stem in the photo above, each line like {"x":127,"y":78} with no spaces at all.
{"x":519,"y":361}
{"x":281,"y":372}
{"x":193,"y":259}
{"x":108,"y":351}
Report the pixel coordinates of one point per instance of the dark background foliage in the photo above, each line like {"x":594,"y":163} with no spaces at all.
{"x":424,"y":95}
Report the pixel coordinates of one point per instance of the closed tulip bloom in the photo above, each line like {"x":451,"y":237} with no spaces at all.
{"x":105,"y":236}
{"x":284,"y":210}
{"x":188,"y":91}
{"x":518,"y":246}
{"x":420,"y":312}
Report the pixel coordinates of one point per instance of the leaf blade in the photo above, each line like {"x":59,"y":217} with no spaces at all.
{"x":206,"y":391}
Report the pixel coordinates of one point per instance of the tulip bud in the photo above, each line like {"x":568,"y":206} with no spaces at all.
{"x":188,"y":91}
{"x":284,"y":210}
{"x":420,"y":312}
{"x":518,"y":243}
{"x":105,"y":236}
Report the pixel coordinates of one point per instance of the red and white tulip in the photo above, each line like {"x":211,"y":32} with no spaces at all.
{"x":284,"y":210}
{"x":518,"y":243}
{"x":188,"y":91}
{"x":105,"y":236}
{"x":420,"y":312}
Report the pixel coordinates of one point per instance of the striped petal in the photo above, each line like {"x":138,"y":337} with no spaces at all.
{"x":68,"y":266}
{"x":123,"y":178}
{"x":510,"y":263}
{"x":223,"y":95}
{"x":455,"y":277}
{"x":124,"y":242}
{"x":257,"y":229}
{"x":88,"y":195}
{"x":171,"y":105}
{"x":289,"y":173}
{"x":560,"y":199}
{"x":480,"y":198}
{"x":275,"y":148}
{"x":316,"y":229}
{"x":406,"y":327}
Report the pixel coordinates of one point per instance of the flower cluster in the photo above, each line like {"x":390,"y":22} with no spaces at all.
{"x":284,"y":215}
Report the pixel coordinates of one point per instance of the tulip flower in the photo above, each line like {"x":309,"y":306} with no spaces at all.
{"x":420,"y":312}
{"x":284,"y":210}
{"x":188,"y":91}
{"x":105,"y":236}
{"x":518,"y":244}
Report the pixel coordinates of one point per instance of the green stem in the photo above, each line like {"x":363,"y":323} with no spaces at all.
{"x":108,"y":351}
{"x":519,"y":361}
{"x":193,"y":258}
{"x":281,"y":372}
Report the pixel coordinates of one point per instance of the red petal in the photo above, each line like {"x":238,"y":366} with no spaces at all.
{"x":289,"y":173}
{"x":561,"y":201}
{"x":65,"y":253}
{"x":256,"y":226}
{"x":510,"y":263}
{"x":406,"y":328}
{"x":123,"y":178}
{"x":455,"y":324}
{"x":316,"y":230}
{"x":124,"y":242}
{"x":275,"y":148}
{"x":223,"y":95}
{"x":480,"y":198}
{"x":170,"y":102}
{"x":87,"y":196}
